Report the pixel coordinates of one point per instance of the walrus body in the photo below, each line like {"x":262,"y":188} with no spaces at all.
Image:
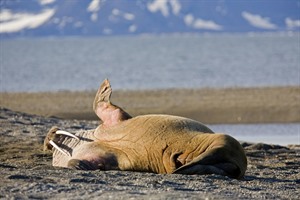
{"x":149,"y":143}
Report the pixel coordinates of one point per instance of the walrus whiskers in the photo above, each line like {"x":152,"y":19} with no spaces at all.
{"x":60,"y":132}
{"x":59,"y":149}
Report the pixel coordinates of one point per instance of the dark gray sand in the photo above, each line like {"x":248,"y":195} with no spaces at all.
{"x":26,"y":172}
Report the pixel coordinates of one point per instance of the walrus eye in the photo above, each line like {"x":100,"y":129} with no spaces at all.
{"x":60,"y":132}
{"x":59,"y":149}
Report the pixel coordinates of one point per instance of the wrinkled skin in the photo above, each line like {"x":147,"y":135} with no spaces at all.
{"x":150,"y":143}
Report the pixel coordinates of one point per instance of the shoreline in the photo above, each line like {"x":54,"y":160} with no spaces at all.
{"x":211,"y":106}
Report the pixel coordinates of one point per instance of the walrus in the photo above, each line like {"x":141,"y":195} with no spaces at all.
{"x":157,"y":143}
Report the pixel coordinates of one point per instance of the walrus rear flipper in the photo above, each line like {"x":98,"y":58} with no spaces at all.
{"x":109,"y":113}
{"x":103,"y":94}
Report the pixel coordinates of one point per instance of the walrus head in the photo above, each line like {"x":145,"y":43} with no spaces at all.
{"x":64,"y":144}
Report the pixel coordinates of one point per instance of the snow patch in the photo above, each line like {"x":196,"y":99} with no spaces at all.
{"x":159,"y":5}
{"x":62,"y":23}
{"x":292,"y":24}
{"x":94,"y":17}
{"x":116,"y":12}
{"x":78,"y":24}
{"x":94,"y":7}
{"x":46,"y":2}
{"x":163,"y":7}
{"x":176,"y":7}
{"x":132,"y":28}
{"x":128,"y":16}
{"x":258,"y":21}
{"x":221,"y":9}
{"x":189,"y":19}
{"x":10,"y":22}
{"x":199,"y":23}
{"x":6,"y":15}
{"x":206,"y":24}
{"x":107,"y":31}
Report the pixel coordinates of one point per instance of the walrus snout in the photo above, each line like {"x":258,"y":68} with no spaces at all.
{"x":49,"y":137}
{"x":55,"y":137}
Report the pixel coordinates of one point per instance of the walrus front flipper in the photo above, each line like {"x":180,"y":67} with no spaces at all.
{"x":80,"y":164}
{"x":211,"y":162}
{"x":220,"y":169}
{"x":109,"y":113}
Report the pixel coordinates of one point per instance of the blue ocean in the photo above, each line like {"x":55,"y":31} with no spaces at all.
{"x":150,"y":62}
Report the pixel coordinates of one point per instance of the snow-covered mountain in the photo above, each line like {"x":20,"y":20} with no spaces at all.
{"x":117,"y":17}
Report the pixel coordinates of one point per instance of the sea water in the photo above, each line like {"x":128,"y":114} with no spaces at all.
{"x":282,"y":134}
{"x":155,"y":62}
{"x":150,"y":62}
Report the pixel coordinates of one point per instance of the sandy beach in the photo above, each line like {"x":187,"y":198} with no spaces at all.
{"x":231,"y":105}
{"x":26,"y":171}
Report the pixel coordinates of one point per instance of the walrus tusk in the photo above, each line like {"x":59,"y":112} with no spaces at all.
{"x":60,"y":132}
{"x":59,"y":149}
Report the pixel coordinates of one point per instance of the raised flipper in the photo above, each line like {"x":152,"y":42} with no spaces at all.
{"x":103,"y":94}
{"x":109,"y":113}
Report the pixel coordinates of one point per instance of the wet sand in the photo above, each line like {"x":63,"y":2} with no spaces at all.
{"x":232,"y":105}
{"x":27,"y":173}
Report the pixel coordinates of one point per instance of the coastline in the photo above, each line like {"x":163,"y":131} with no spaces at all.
{"x":212,"y":106}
